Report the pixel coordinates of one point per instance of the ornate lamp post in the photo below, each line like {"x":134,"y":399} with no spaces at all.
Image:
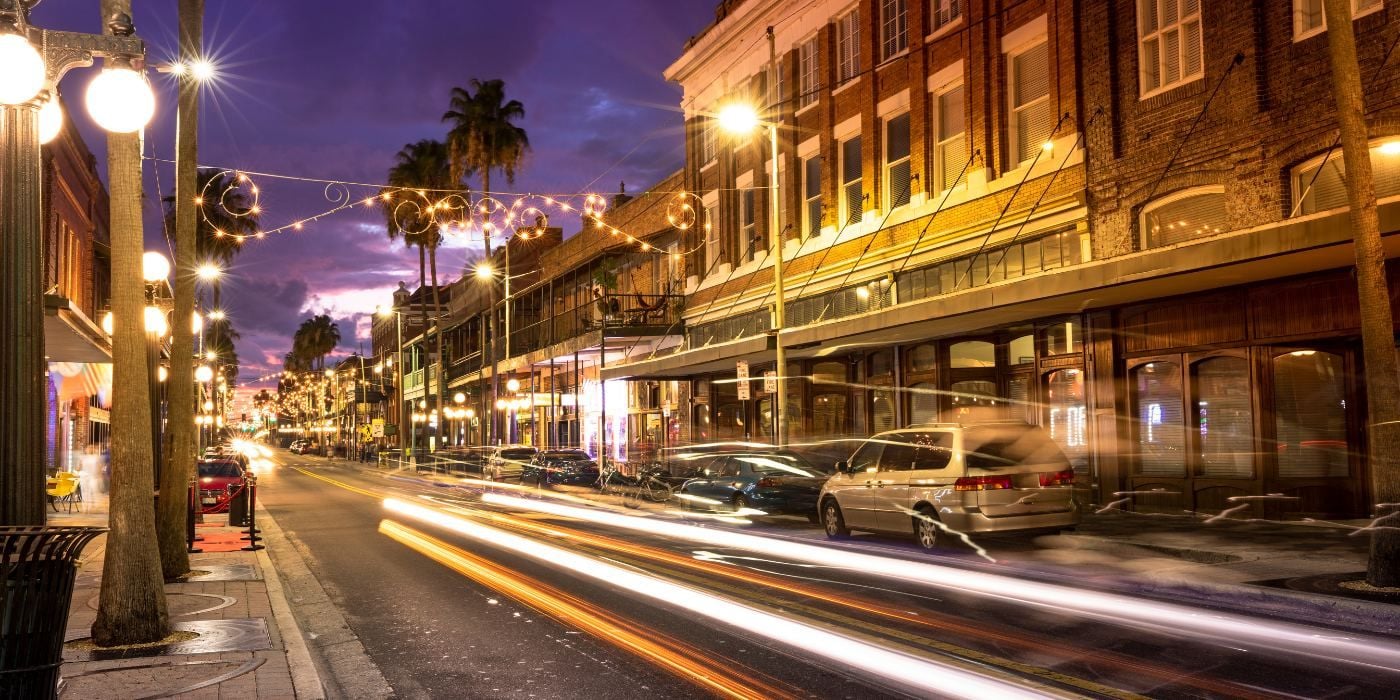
{"x":34,"y":61}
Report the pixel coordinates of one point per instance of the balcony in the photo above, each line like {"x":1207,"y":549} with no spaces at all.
{"x":612,"y":316}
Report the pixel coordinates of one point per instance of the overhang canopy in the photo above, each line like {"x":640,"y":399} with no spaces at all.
{"x":70,"y":336}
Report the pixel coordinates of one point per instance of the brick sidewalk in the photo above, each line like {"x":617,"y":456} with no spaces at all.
{"x":248,"y":644}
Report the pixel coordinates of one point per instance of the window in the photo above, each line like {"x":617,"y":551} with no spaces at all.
{"x":881,"y":410}
{"x":923,"y":358}
{"x":1224,"y":417}
{"x":1032,"y":117}
{"x":1064,"y":337}
{"x":897,"y":163}
{"x":1021,"y":350}
{"x":1315,"y":191}
{"x":1066,"y":418}
{"x":1169,"y":42}
{"x":923,"y":403}
{"x":1161,"y":438}
{"x":748,"y":224}
{"x":945,"y":12}
{"x":852,"y":194}
{"x":829,"y":414}
{"x":972,"y":354}
{"x":848,"y":46}
{"x":1310,"y":414}
{"x":950,"y":146}
{"x":1184,"y":216}
{"x":867,"y":456}
{"x":912,"y":452}
{"x":707,"y":140}
{"x":1308,"y":19}
{"x":812,"y":195}
{"x":711,"y":214}
{"x":829,"y":373}
{"x":808,"y":80}
{"x":894,"y":28}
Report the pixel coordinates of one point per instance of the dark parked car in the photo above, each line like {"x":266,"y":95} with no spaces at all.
{"x":552,"y":467}
{"x":219,"y":479}
{"x":773,"y":481}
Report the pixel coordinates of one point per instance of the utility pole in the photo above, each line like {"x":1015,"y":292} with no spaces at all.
{"x":131,"y":605}
{"x":1377,"y":322}
{"x":179,"y":457}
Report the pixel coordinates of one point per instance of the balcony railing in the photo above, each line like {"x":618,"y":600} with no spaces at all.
{"x":623,"y":314}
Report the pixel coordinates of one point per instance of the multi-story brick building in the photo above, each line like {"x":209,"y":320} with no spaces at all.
{"x":1106,"y":218}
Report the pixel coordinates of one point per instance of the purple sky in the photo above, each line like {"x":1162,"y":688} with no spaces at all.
{"x":333,"y":88}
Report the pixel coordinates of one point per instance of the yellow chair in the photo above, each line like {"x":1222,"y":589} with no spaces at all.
{"x":64,"y":488}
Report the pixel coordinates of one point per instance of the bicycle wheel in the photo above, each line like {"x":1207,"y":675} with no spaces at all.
{"x":658,"y":491}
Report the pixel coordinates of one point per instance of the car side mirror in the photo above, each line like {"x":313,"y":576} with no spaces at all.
{"x":843,"y":467}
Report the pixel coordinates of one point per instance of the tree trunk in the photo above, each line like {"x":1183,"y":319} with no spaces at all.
{"x":441,"y":371}
{"x":131,"y":605}
{"x":179,"y":459}
{"x":1377,"y":323}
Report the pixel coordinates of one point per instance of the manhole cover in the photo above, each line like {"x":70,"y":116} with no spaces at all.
{"x":224,"y":572}
{"x":214,"y":636}
{"x":1333,"y":585}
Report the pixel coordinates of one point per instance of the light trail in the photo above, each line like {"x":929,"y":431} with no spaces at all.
{"x":682,"y":660}
{"x":1215,"y":627}
{"x":866,"y":658}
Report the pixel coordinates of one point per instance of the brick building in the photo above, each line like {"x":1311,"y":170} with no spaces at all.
{"x":1112,"y":219}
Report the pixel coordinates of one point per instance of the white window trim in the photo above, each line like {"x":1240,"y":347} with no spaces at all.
{"x":1184,"y":80}
{"x":885,"y":166}
{"x":893,"y":105}
{"x":843,"y":208}
{"x":836,"y":23}
{"x":937,"y":125}
{"x":816,"y":87}
{"x":808,"y":148}
{"x":1301,"y":35}
{"x":846,"y":128}
{"x":1296,"y":173}
{"x":947,"y":28}
{"x":710,"y":202}
{"x":802,"y":190}
{"x":1012,"y":145}
{"x":1166,"y":199}
{"x":944,"y":77}
{"x":1017,"y":40}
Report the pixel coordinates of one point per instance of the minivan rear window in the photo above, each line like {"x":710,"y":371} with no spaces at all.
{"x":996,"y":447}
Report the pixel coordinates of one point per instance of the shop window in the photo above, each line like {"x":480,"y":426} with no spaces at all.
{"x":923,"y":358}
{"x":1021,"y":350}
{"x":882,"y":410}
{"x":829,"y":373}
{"x":923,"y":403}
{"x":792,"y":385}
{"x":973,"y":393}
{"x":1064,"y":337}
{"x":1065,"y":414}
{"x":1183,"y":216}
{"x":882,"y":364}
{"x":1018,"y":393}
{"x":1319,"y":186}
{"x":704,"y":423}
{"x":729,"y":421}
{"x":829,"y":414}
{"x":1224,"y":417}
{"x":972,"y":353}
{"x":1310,"y":407}
{"x":1161,"y":437}
{"x":765,"y":418}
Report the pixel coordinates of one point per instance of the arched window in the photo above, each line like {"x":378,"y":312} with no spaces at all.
{"x":1319,"y":186}
{"x":1182,"y":216}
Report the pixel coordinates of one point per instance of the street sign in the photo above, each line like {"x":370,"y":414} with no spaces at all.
{"x":742,"y":371}
{"x":770,"y":382}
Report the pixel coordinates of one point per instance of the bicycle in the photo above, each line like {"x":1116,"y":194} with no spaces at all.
{"x":633,"y":490}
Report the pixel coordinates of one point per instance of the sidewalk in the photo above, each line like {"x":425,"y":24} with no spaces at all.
{"x":248,"y":643}
{"x":1298,"y":570}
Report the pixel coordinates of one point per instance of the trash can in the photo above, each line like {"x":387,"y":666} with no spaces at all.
{"x":238,"y":508}
{"x":38,"y":566}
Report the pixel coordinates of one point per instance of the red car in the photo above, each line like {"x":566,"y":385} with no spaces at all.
{"x":219,"y":479}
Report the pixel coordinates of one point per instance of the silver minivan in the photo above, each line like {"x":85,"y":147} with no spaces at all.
{"x":969,"y":478}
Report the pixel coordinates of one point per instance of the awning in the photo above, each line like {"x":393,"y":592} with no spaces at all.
{"x":70,"y":336}
{"x":78,"y":380}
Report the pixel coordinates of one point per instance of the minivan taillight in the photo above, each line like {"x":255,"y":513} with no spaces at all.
{"x":982,"y":483}
{"x":1060,"y":478}
{"x":768,"y":482}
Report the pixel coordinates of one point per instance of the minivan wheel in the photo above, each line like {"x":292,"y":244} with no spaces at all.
{"x":832,"y":522}
{"x":926,"y":529}
{"x":741,"y":502}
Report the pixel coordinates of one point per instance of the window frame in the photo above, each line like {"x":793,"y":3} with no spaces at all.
{"x":1013,"y":110}
{"x":956,"y":10}
{"x":939,"y":144}
{"x":808,"y":73}
{"x":1357,"y":12}
{"x":849,"y":217}
{"x":811,"y":226}
{"x":887,"y":165}
{"x":1143,"y":37}
{"x":848,"y":37}
{"x":709,"y":149}
{"x":894,"y":29}
{"x":1171,"y":198}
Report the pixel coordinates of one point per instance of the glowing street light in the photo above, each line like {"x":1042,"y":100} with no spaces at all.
{"x":209,"y":272}
{"x":484,"y":271}
{"x":513,"y":385}
{"x":156,"y":324}
{"x":50,"y":121}
{"x":154,"y":266}
{"x":119,"y":99}
{"x":216,"y":315}
{"x":23,"y":76}
{"x":737,"y":118}
{"x":203,"y":374}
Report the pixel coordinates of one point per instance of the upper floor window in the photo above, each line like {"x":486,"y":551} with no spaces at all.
{"x":945,"y":12}
{"x":950,"y":146}
{"x":1184,"y":215}
{"x":848,"y":46}
{"x":1315,"y":191}
{"x":1169,"y":42}
{"x":1308,"y":19}
{"x":748,"y":223}
{"x":1032,"y":118}
{"x":707,"y":140}
{"x":897,"y":163}
{"x":812,"y":195}
{"x":808,"y":80}
{"x":894,"y":28}
{"x":852,"y":191}
{"x":711,"y":214}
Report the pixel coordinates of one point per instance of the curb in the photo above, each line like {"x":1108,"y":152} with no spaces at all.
{"x":306,"y":681}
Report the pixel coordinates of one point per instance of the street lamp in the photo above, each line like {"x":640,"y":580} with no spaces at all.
{"x":209,"y":272}
{"x":742,"y":119}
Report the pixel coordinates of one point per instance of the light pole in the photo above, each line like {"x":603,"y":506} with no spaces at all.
{"x":34,"y":60}
{"x":742,"y":119}
{"x":398,"y":385}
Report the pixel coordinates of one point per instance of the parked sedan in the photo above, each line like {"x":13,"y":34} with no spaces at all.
{"x":552,"y":467}
{"x":508,"y":461}
{"x":771,"y":481}
{"x":219,"y":479}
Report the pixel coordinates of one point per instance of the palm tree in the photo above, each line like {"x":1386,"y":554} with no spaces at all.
{"x":315,"y":338}
{"x":425,"y":167}
{"x":484,"y":137}
{"x":227,"y":212}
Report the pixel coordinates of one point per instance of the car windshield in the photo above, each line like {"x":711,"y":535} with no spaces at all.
{"x":781,"y":464}
{"x":228,"y":469}
{"x":998,"y":447}
{"x":565,"y":454}
{"x":517,"y":454}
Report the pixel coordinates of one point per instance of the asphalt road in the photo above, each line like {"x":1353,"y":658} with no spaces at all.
{"x":471,"y":592}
